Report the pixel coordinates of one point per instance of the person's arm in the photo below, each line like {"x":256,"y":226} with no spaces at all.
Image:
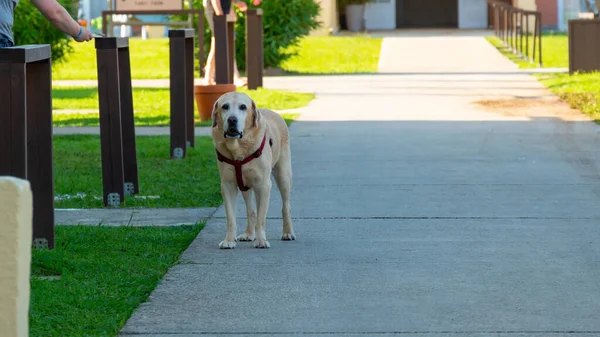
{"x":216,"y":4}
{"x":61,"y":19}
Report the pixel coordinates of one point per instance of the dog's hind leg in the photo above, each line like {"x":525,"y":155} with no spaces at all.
{"x":229,"y":193}
{"x":249,"y":235}
{"x":282,"y":173}
{"x":263,"y":193}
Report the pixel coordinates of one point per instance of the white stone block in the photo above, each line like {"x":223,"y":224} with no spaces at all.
{"x":15,"y":256}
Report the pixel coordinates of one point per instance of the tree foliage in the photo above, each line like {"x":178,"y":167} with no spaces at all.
{"x":31,"y":27}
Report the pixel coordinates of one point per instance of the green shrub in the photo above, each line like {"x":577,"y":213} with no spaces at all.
{"x":31,"y":27}
{"x":284,"y":23}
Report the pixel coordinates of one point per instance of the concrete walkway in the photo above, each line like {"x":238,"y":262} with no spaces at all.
{"x":417,"y":213}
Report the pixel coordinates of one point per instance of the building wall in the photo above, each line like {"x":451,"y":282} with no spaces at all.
{"x":96,"y":8}
{"x":549,"y":9}
{"x":328,"y":16}
{"x":472,"y":14}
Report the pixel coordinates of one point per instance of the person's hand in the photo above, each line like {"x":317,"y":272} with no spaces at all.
{"x":256,"y":2}
{"x":85,"y":35}
{"x":241,"y":5}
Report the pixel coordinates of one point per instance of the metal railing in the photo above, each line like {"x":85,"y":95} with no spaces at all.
{"x":512,"y":27}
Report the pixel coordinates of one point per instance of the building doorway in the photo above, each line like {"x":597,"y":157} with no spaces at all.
{"x":426,"y":13}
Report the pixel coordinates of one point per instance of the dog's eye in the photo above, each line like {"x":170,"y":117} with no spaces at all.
{"x":225,"y":106}
{"x":243,"y":107}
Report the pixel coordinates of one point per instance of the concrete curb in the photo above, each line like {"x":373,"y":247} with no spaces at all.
{"x":133,"y":216}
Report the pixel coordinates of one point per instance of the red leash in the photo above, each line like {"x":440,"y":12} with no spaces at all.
{"x":238,"y":163}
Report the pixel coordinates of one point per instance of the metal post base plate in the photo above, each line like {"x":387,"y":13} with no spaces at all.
{"x":40,"y":243}
{"x":114,"y":200}
{"x":177,"y":153}
{"x":129,"y":189}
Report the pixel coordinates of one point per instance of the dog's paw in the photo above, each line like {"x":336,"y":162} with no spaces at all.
{"x":227,"y":244}
{"x":288,"y":236}
{"x":246,"y":237}
{"x":262,"y":244}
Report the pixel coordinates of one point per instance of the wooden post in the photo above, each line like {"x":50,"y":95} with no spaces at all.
{"x":105,"y":24}
{"x":254,"y":48}
{"x":181,"y":54}
{"x":221,"y":50}
{"x":26,"y":130}
{"x":117,"y":131}
{"x":231,"y":49}
{"x":189,"y":85}
{"x":200,"y":45}
{"x":130,"y":167}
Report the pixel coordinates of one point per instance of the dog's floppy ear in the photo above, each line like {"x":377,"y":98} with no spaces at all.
{"x":214,"y":114}
{"x":255,"y":114}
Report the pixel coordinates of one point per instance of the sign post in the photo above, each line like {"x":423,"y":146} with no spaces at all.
{"x":148,"y":5}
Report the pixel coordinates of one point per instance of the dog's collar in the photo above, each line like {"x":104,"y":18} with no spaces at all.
{"x":238,"y":163}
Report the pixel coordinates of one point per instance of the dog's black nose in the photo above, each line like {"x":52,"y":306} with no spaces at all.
{"x":232,"y":120}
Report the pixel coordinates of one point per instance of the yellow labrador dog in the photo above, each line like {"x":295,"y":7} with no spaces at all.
{"x":251,"y":144}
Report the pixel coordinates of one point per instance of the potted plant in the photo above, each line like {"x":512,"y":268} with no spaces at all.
{"x":207,"y":94}
{"x":355,"y":13}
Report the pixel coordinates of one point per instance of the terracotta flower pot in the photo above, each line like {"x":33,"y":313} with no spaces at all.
{"x":207,"y":95}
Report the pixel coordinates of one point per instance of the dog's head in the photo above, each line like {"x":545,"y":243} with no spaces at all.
{"x":235,"y":113}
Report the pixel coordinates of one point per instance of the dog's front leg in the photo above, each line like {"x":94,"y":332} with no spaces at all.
{"x":229,"y":193}
{"x":251,"y":217}
{"x":263,"y":193}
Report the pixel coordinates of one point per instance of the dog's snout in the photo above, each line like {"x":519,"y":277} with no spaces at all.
{"x":232,"y":120}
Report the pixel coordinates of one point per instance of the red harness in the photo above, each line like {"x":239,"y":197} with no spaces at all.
{"x":238,"y":163}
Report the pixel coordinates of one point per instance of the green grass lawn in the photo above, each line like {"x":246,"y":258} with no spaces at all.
{"x":150,"y":58}
{"x":191,"y":182}
{"x":152,"y":105}
{"x":335,"y":55}
{"x":581,"y":91}
{"x":94,"y":279}
{"x":555,"y":51}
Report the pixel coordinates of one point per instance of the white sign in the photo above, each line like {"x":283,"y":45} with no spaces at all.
{"x":148,"y":5}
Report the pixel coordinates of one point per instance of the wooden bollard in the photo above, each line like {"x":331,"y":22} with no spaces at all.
{"x":117,"y":127}
{"x":254,"y":48}
{"x":26,"y":130}
{"x":15,"y":256}
{"x":181,"y":55}
{"x":222,"y":70}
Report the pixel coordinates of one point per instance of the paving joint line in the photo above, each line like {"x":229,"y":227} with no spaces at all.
{"x":426,"y":218}
{"x":510,"y":332}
